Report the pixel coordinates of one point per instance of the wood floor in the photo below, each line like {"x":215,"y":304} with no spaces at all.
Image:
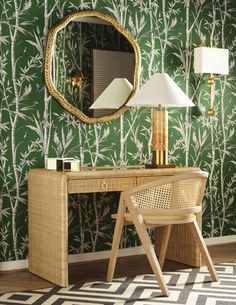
{"x":96,"y":270}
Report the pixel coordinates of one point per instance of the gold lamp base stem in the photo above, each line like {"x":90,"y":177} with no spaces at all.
{"x":158,"y":160}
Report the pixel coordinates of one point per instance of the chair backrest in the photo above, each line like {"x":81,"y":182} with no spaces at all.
{"x":176,"y":192}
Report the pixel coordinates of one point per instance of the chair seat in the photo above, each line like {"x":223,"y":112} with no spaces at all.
{"x":159,"y":220}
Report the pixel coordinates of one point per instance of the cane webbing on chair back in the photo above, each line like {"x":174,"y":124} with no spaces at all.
{"x":189,"y":193}
{"x":181,"y":193}
{"x":156,"y":197}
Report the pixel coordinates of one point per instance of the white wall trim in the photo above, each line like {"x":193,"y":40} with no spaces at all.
{"x":220,"y":240}
{"x":14,"y":265}
{"x":85,"y":257}
{"x":93,"y":256}
{"x":74,"y":258}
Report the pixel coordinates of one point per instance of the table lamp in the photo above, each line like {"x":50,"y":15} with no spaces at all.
{"x":114,"y":96}
{"x":160,"y":92}
{"x":211,"y":61}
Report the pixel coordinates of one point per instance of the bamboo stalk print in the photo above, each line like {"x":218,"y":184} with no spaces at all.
{"x":34,"y":126}
{"x":124,"y":135}
{"x":14,"y":119}
{"x":47,"y":116}
{"x":122,"y":141}
{"x":81,"y":144}
{"x":1,"y":91}
{"x":212,"y":128}
{"x":222,"y":161}
{"x":163,"y":44}
{"x":46,"y":97}
{"x":212,"y":170}
{"x":187,"y":71}
{"x":96,"y":232}
{"x":152,"y":47}
{"x":223,"y":155}
{"x":96,"y":145}
{"x":81,"y":220}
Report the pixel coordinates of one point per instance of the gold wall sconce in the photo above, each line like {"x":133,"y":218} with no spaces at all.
{"x":211,"y":61}
{"x":77,"y":80}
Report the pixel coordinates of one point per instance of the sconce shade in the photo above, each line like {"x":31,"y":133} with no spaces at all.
{"x":211,"y":60}
{"x":114,"y":96}
{"x":160,"y":89}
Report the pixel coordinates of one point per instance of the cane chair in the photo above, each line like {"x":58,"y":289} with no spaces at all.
{"x":164,"y":202}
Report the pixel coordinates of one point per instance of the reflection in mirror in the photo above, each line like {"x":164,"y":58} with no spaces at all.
{"x":89,"y":53}
{"x":107,"y":67}
{"x":117,"y":91}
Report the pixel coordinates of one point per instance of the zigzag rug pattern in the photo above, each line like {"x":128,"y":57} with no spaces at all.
{"x":186,"y":286}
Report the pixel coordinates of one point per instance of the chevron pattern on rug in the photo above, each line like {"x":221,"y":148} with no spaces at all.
{"x":187,"y":286}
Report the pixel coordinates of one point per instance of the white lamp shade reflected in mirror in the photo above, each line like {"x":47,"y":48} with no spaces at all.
{"x":211,"y":60}
{"x":114,"y":96}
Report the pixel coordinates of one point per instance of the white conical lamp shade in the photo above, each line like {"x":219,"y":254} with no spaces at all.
{"x":114,"y":96}
{"x":160,"y":89}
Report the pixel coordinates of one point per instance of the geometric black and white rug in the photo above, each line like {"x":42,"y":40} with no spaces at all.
{"x":186,"y":286}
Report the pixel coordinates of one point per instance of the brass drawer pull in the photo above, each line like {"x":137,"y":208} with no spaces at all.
{"x":104,"y":185}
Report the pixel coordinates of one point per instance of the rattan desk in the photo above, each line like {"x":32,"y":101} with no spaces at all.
{"x":48,"y":215}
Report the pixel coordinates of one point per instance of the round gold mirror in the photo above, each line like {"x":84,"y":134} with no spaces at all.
{"x":91,"y":66}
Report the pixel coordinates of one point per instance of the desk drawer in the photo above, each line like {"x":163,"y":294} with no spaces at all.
{"x":143,"y":180}
{"x":100,"y":185}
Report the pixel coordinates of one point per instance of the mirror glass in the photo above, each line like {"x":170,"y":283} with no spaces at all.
{"x":85,"y":53}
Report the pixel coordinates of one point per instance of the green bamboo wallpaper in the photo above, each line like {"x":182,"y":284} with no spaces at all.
{"x":34,"y":126}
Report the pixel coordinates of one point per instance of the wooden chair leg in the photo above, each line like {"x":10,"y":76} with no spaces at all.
{"x":149,"y":250}
{"x":116,"y":240}
{"x":203,"y":248}
{"x":164,"y":244}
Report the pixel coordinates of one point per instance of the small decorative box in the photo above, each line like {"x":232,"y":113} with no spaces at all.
{"x":71,"y":165}
{"x":56,"y":163}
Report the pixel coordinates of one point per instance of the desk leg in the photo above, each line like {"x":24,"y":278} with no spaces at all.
{"x":48,"y":226}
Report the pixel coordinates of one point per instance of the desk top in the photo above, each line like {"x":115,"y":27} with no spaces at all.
{"x":101,"y":172}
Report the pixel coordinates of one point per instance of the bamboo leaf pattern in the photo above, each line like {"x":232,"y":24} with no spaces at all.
{"x":33,"y":126}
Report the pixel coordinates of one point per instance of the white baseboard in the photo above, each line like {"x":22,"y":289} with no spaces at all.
{"x":93,"y":256}
{"x":85,"y":257}
{"x":14,"y":265}
{"x":220,"y":240}
{"x":74,"y":258}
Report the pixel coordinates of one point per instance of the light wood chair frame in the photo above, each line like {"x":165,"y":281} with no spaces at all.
{"x":130,"y":213}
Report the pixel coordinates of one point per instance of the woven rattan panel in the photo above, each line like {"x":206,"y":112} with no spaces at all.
{"x":100,"y":185}
{"x":156,"y":197}
{"x":181,"y":245}
{"x":142,"y":180}
{"x":189,"y":191}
